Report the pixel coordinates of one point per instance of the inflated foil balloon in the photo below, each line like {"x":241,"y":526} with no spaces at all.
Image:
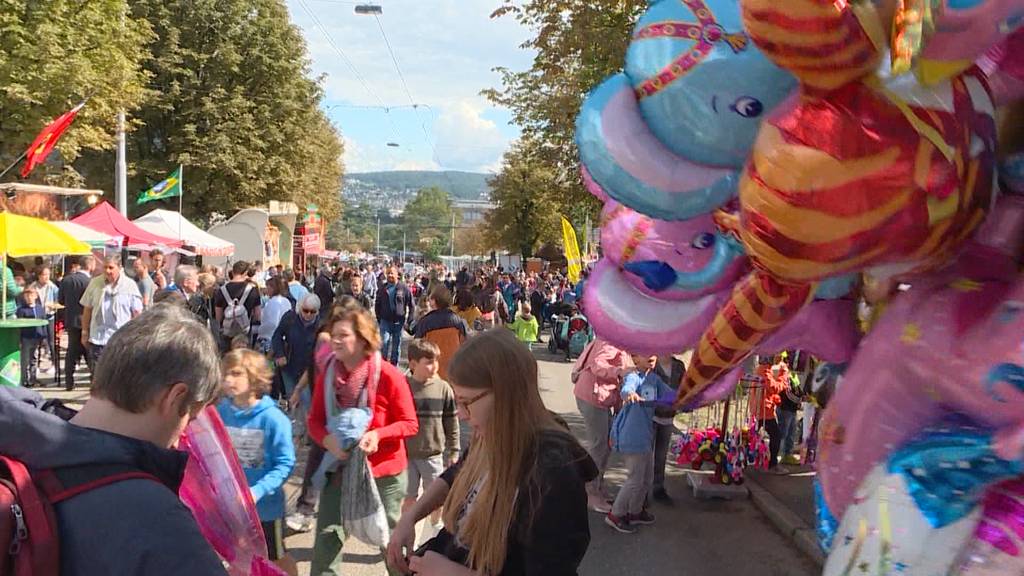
{"x":677,"y":260}
{"x":914,"y":514}
{"x":668,"y":137}
{"x":963,"y":31}
{"x":997,"y":548}
{"x":950,"y":344}
{"x":856,"y":173}
{"x":216,"y":491}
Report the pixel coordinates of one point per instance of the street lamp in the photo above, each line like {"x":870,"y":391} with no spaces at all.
{"x":369,"y":9}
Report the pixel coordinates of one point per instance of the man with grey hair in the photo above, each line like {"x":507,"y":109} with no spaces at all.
{"x":116,"y":456}
{"x":186,"y":280}
{"x":108,"y":305}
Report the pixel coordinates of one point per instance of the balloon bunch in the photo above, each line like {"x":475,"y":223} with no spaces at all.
{"x":860,"y":170}
{"x":922,"y":447}
{"x":662,"y":145}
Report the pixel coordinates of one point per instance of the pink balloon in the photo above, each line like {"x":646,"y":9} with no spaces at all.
{"x":685,"y":245}
{"x":638,"y":322}
{"x":933,"y":352}
{"x":1003,"y":67}
{"x":965,"y":34}
{"x":216,"y":491}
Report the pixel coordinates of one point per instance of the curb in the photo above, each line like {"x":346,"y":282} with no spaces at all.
{"x":786,"y":521}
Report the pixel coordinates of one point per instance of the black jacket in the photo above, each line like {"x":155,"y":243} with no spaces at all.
{"x":295,"y":341}
{"x":129,"y":527}
{"x":556,"y":540}
{"x":439,"y":320}
{"x":72,"y":287}
{"x":324,"y":289}
{"x":401,"y":311}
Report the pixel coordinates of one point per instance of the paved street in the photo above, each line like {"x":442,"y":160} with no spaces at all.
{"x":693,"y":538}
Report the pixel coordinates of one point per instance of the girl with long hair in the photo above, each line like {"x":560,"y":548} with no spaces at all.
{"x":516,"y":503}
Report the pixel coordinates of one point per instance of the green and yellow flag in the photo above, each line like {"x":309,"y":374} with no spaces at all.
{"x":169,"y":188}
{"x":572,"y":251}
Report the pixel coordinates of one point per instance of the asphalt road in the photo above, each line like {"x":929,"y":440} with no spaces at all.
{"x":692,"y":538}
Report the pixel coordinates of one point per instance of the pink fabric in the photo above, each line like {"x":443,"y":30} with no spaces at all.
{"x":600,"y":376}
{"x":105,"y":218}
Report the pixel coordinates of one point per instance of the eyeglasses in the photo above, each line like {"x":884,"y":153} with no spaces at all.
{"x":308,"y":311}
{"x":467,"y":403}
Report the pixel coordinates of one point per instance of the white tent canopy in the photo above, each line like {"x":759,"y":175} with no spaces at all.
{"x":174,"y":225}
{"x":85,"y":234}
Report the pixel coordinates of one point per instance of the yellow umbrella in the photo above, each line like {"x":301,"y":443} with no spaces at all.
{"x":27,"y":236}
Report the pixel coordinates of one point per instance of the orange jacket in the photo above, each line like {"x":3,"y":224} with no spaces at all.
{"x":765,"y":399}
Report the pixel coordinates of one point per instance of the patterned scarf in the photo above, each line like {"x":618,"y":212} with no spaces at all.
{"x":348,"y":385}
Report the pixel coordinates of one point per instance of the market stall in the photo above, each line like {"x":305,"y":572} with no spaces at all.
{"x":94,"y":238}
{"x":25,"y":236}
{"x":173,"y":225}
{"x":105,"y":218}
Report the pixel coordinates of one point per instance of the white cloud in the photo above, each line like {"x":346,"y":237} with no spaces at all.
{"x":446,"y":50}
{"x":465,"y":140}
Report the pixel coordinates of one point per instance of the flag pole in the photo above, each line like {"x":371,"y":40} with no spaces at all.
{"x":181,"y":195}
{"x":13,"y":164}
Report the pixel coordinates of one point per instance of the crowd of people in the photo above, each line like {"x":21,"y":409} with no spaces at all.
{"x":286,"y":360}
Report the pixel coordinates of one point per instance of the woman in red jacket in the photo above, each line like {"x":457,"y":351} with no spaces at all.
{"x":354,"y":364}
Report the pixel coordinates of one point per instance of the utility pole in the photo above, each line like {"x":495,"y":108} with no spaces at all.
{"x":451,"y":237}
{"x":121,"y":167}
{"x":403,"y":245}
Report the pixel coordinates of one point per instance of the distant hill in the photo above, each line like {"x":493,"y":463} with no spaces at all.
{"x":460,"y":185}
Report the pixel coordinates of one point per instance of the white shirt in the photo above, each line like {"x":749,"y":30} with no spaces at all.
{"x":273,"y":311}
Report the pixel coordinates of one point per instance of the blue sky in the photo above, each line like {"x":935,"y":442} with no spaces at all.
{"x":445,"y":49}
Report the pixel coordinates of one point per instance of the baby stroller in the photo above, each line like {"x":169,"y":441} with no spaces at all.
{"x":570,"y":333}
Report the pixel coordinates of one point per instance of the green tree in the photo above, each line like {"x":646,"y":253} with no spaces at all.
{"x":577,"y":44}
{"x":529,"y":200}
{"x":53,"y":54}
{"x":234,"y":102}
{"x":428,"y":218}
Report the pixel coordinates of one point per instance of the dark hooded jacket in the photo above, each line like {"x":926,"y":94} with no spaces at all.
{"x":131,"y":527}
{"x":550,"y":530}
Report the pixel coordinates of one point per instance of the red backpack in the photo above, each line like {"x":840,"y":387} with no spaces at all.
{"x":28,"y":523}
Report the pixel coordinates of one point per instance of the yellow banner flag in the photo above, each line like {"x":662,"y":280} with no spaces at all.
{"x":572,"y":251}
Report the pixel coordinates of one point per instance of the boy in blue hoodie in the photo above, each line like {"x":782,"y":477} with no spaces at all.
{"x":32,"y":337}
{"x":632,"y":435}
{"x":262,"y":436}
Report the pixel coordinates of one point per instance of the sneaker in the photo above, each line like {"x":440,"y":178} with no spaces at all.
{"x":599,"y":505}
{"x":662,"y":496}
{"x":644,"y":518}
{"x":619,"y":524}
{"x":299,"y":522}
{"x":791,"y":460}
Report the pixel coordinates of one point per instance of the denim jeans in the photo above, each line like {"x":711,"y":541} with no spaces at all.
{"x":787,"y":424}
{"x":391,"y":340}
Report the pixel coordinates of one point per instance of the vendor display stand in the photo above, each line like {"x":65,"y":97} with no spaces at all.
{"x":25,"y":236}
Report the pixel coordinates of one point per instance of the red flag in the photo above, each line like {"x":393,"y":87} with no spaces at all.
{"x":47,"y":139}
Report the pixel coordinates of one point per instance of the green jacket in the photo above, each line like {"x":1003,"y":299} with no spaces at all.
{"x":13,"y":291}
{"x":526,"y":329}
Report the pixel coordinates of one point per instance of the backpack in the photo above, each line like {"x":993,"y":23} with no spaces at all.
{"x":28,"y":523}
{"x":236,"y":315}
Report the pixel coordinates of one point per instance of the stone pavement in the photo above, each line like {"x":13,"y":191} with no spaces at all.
{"x":692,"y":538}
